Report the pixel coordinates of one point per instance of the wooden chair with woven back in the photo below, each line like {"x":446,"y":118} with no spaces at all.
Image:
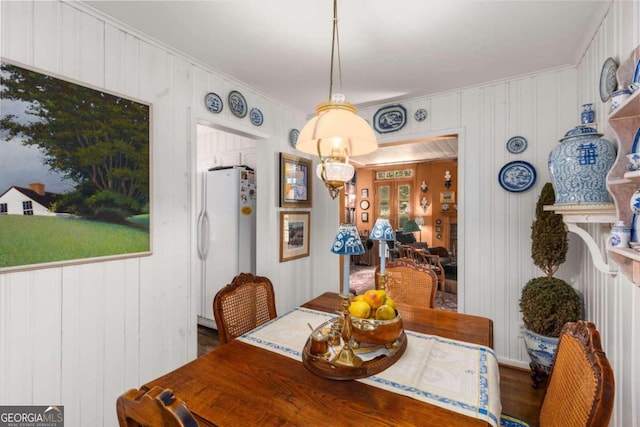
{"x":410,"y":283}
{"x":244,"y":304}
{"x":154,"y":408}
{"x":580,"y":388}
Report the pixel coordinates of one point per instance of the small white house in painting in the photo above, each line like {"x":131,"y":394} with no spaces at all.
{"x":26,"y":201}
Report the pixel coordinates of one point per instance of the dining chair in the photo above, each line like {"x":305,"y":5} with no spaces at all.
{"x":410,"y":283}
{"x":244,"y":304}
{"x":154,"y":408}
{"x":580,"y":390}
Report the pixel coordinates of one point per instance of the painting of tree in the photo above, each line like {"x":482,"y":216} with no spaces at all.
{"x":95,"y":142}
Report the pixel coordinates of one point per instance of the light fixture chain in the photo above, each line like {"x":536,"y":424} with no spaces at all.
{"x":335,"y":46}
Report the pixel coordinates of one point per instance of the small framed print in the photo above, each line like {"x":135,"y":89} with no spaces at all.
{"x":364,"y":217}
{"x":295,"y":181}
{"x":447,"y":197}
{"x":294,"y":235}
{"x":438,"y":229}
{"x":364,"y":192}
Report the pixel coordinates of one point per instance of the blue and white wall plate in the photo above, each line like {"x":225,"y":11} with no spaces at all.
{"x":293,"y":137}
{"x":390,"y":118}
{"x":517,"y":176}
{"x":237,"y":104}
{"x":608,"y":79}
{"x":213,"y":102}
{"x":517,"y":144}
{"x":256,"y":117}
{"x":420,"y":114}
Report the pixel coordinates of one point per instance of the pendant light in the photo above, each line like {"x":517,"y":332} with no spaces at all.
{"x":336,"y":132}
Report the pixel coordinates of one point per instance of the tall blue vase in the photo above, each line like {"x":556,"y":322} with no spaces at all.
{"x":579,"y":166}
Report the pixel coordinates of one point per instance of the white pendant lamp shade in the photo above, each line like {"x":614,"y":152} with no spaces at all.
{"x":336,"y":126}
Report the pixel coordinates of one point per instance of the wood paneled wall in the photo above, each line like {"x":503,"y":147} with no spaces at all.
{"x":81,"y":335}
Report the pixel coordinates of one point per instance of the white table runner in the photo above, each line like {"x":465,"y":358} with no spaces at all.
{"x":455,"y":375}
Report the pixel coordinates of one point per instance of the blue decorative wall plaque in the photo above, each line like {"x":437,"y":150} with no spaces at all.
{"x":390,"y":118}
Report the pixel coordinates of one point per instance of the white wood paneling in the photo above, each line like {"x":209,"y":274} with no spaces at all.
{"x":112,"y":326}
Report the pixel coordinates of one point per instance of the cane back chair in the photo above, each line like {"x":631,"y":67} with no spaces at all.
{"x":244,"y":304}
{"x":410,"y":283}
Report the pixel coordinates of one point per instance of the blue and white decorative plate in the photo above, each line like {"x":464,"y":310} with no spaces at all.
{"x":390,"y":118}
{"x":517,"y":176}
{"x":635,"y":147}
{"x":636,"y":73}
{"x":420,"y":114}
{"x":608,"y":79}
{"x":213,"y":102}
{"x":237,"y":104}
{"x":256,"y":116}
{"x":517,"y":144}
{"x":293,"y":137}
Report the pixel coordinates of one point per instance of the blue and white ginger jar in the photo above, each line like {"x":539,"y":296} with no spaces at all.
{"x":541,"y":350}
{"x":579,"y":166}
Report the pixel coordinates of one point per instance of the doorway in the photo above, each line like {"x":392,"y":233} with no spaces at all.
{"x":226,"y":226}
{"x":424,"y":189}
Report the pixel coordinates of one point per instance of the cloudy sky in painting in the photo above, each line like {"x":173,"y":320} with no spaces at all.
{"x":21,"y":164}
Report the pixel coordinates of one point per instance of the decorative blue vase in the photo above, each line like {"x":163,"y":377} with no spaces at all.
{"x":541,"y":350}
{"x":588,"y":115}
{"x":579,"y":166}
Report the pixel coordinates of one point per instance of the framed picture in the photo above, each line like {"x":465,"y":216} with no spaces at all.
{"x":447,"y":197}
{"x":77,"y":187}
{"x":364,"y":192}
{"x":294,"y":235}
{"x":364,"y":216}
{"x":295,"y":181}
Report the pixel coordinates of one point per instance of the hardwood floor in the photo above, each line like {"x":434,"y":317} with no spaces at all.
{"x":519,"y":398}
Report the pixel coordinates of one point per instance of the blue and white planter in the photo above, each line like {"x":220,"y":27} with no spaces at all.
{"x":541,"y":349}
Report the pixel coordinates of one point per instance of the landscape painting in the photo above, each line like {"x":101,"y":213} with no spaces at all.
{"x":74,"y":172}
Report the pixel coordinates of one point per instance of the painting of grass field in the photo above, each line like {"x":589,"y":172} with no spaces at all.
{"x":28,"y":240}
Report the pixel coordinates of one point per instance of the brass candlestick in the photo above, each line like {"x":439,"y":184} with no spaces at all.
{"x":346,"y":356}
{"x":381,"y":280}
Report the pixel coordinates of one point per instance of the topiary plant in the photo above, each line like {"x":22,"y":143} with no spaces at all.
{"x":547,"y":303}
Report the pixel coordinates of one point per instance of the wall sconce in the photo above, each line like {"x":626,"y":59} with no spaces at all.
{"x":424,"y":187}
{"x":447,"y":179}
{"x":424,"y":203}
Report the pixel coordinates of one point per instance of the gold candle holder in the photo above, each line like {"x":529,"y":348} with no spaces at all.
{"x":381,"y":280}
{"x":346,"y":356}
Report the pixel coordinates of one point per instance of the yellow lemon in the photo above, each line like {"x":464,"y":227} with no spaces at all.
{"x":385,"y":312}
{"x":359,"y":298}
{"x":360,"y":309}
{"x":390,"y":302}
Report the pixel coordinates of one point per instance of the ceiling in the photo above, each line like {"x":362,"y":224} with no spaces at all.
{"x":389,"y":50}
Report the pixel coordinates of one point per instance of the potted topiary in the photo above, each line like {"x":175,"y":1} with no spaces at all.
{"x":547,"y":303}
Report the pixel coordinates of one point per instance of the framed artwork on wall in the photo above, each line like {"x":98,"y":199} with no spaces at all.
{"x":78,"y":187}
{"x":364,"y":192}
{"x":447,"y":197}
{"x":295,"y":181}
{"x":294,"y":235}
{"x":364,"y":217}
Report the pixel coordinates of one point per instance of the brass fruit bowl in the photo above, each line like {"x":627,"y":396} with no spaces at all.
{"x":370,"y":331}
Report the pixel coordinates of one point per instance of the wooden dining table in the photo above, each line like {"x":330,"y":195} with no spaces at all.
{"x":239,"y":384}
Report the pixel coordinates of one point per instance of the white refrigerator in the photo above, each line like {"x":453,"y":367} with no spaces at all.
{"x":226,"y":231}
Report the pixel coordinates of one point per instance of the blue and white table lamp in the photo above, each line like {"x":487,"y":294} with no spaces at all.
{"x":383,"y":232}
{"x":347,"y":242}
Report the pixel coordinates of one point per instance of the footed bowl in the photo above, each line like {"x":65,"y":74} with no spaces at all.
{"x":381,"y":332}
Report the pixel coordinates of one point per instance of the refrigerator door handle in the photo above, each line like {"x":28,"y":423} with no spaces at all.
{"x":203,"y":235}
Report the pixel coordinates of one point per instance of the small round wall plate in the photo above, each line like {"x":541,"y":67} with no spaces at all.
{"x":438,"y":221}
{"x":256,"y":117}
{"x":517,"y":176}
{"x":608,"y":80}
{"x":237,"y":104}
{"x":420,"y":114}
{"x":517,"y":144}
{"x":364,"y":205}
{"x":213,"y":102}
{"x":293,"y":137}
